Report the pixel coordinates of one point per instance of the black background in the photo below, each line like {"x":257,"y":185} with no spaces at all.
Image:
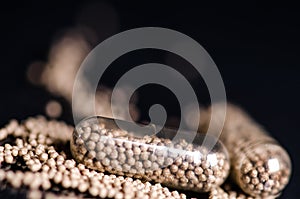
{"x":255,"y":46}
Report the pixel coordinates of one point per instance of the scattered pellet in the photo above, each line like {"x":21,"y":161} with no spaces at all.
{"x":49,"y":169}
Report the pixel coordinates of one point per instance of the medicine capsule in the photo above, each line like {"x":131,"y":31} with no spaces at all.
{"x":100,"y":144}
{"x":260,"y":166}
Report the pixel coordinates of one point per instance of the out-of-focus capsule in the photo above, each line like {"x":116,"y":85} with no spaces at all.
{"x":100,"y":144}
{"x":260,"y":166}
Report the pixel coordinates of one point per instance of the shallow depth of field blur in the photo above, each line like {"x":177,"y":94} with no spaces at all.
{"x":255,"y":48}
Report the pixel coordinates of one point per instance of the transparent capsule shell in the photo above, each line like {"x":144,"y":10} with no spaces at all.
{"x":264,"y":169}
{"x":100,"y":144}
{"x":260,"y":166}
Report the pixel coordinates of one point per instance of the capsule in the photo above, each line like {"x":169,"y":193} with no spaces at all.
{"x":100,"y":144}
{"x":260,"y":166}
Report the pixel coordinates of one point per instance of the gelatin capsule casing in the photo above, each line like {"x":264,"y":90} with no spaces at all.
{"x":100,"y":144}
{"x":260,"y":166}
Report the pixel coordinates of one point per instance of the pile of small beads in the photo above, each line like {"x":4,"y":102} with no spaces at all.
{"x":117,"y":151}
{"x":35,"y":157}
{"x":228,"y":192}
